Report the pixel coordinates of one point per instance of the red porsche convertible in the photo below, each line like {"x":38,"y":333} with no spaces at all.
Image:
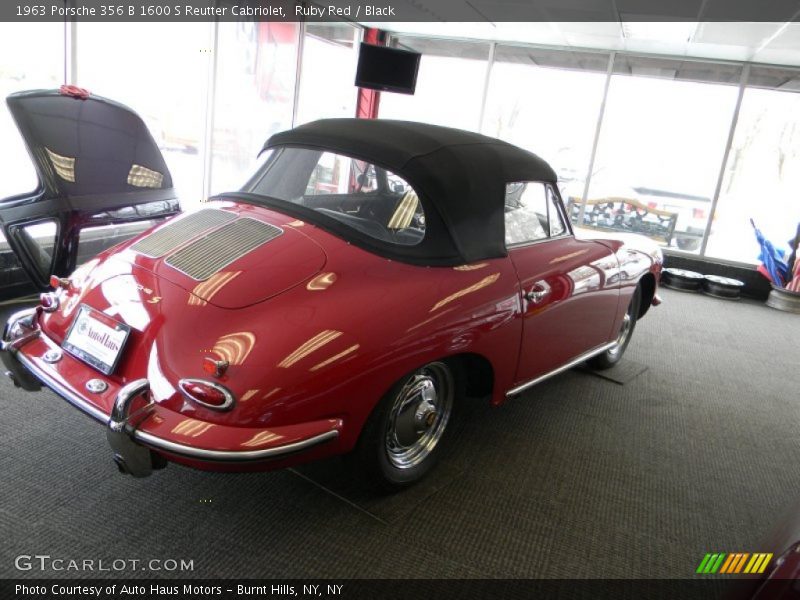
{"x":368,"y":277}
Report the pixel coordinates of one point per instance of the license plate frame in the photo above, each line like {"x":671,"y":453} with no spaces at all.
{"x":107,"y":331}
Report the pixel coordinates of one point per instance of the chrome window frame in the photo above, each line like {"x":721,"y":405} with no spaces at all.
{"x":268,"y":163}
{"x":559,"y":206}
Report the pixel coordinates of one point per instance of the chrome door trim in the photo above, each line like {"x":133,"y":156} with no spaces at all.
{"x":565,"y":367}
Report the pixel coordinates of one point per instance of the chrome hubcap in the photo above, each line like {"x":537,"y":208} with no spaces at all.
{"x":419,"y":416}
{"x":624,"y":332}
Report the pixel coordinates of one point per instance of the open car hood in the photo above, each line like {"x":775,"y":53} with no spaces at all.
{"x":88,"y":146}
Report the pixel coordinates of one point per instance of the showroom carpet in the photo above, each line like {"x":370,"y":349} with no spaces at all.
{"x":580,"y":477}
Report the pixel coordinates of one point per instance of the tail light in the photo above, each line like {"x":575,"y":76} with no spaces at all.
{"x":60,"y":282}
{"x":49,"y":302}
{"x":699,"y":213}
{"x":215,"y":367}
{"x":207,"y":393}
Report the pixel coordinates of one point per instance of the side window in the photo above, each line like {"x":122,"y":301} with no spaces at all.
{"x":531,"y":213}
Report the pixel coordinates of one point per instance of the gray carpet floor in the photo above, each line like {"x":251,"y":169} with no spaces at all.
{"x":580,"y":477}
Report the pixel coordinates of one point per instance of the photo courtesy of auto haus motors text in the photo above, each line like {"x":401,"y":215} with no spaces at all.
{"x":189,"y":590}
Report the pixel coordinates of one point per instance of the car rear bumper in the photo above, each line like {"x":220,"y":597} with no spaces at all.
{"x":131,"y":432}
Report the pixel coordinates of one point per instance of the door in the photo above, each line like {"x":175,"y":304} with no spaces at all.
{"x":101,"y":176}
{"x":569,"y":287}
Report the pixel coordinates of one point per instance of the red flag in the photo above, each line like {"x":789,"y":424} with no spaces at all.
{"x":794,"y":284}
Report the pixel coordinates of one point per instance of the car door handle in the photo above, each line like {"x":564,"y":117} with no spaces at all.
{"x":538,"y":293}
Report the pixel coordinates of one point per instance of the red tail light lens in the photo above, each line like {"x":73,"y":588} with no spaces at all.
{"x":60,"y":282}
{"x":49,"y":302}
{"x":699,"y":213}
{"x":207,"y":393}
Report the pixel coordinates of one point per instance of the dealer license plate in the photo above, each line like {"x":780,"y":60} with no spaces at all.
{"x":96,"y":339}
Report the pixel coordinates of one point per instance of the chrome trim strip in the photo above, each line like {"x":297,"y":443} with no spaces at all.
{"x":18,"y":315}
{"x":232,"y":455}
{"x":541,"y":241}
{"x":565,"y":367}
{"x":17,"y":343}
{"x":7,"y":344}
{"x":121,"y":411}
{"x":130,"y":457}
{"x":173,"y":447}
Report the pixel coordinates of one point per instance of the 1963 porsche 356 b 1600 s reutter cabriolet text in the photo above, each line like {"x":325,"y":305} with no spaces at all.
{"x":368,"y":276}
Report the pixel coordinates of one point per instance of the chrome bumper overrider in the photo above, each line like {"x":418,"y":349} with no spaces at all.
{"x":132,"y":447}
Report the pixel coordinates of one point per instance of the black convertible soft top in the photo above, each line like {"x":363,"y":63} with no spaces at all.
{"x":458,"y":174}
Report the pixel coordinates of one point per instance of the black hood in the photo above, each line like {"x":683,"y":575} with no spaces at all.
{"x":89,"y":146}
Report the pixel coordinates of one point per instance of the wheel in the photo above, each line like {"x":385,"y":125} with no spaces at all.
{"x":401,"y":439}
{"x":688,"y":244}
{"x":612,"y":356}
{"x":722,"y":287}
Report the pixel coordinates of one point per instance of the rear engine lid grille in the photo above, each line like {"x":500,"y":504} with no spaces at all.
{"x":212,"y":253}
{"x":177,"y":232}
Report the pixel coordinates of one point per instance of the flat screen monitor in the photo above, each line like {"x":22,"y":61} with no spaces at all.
{"x":387,"y":69}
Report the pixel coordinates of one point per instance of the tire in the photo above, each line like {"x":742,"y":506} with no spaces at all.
{"x":682,"y":280}
{"x":401,"y":439}
{"x":722,"y":287}
{"x":688,"y":244}
{"x":613,"y":355}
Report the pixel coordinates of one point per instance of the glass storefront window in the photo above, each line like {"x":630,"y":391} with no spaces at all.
{"x":548,"y":102}
{"x":31,"y":57}
{"x":256,"y":72}
{"x":449,"y":84}
{"x":661,"y":146}
{"x":165,"y":80}
{"x":658,"y":157}
{"x":762,"y":175}
{"x":328,"y":71}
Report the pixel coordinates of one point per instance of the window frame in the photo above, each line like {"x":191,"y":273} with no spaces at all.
{"x":382,"y":174}
{"x":559,"y":205}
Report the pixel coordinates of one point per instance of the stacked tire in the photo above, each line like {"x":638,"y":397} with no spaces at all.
{"x":722,"y":287}
{"x":682,"y":280}
{"x":692,"y":281}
